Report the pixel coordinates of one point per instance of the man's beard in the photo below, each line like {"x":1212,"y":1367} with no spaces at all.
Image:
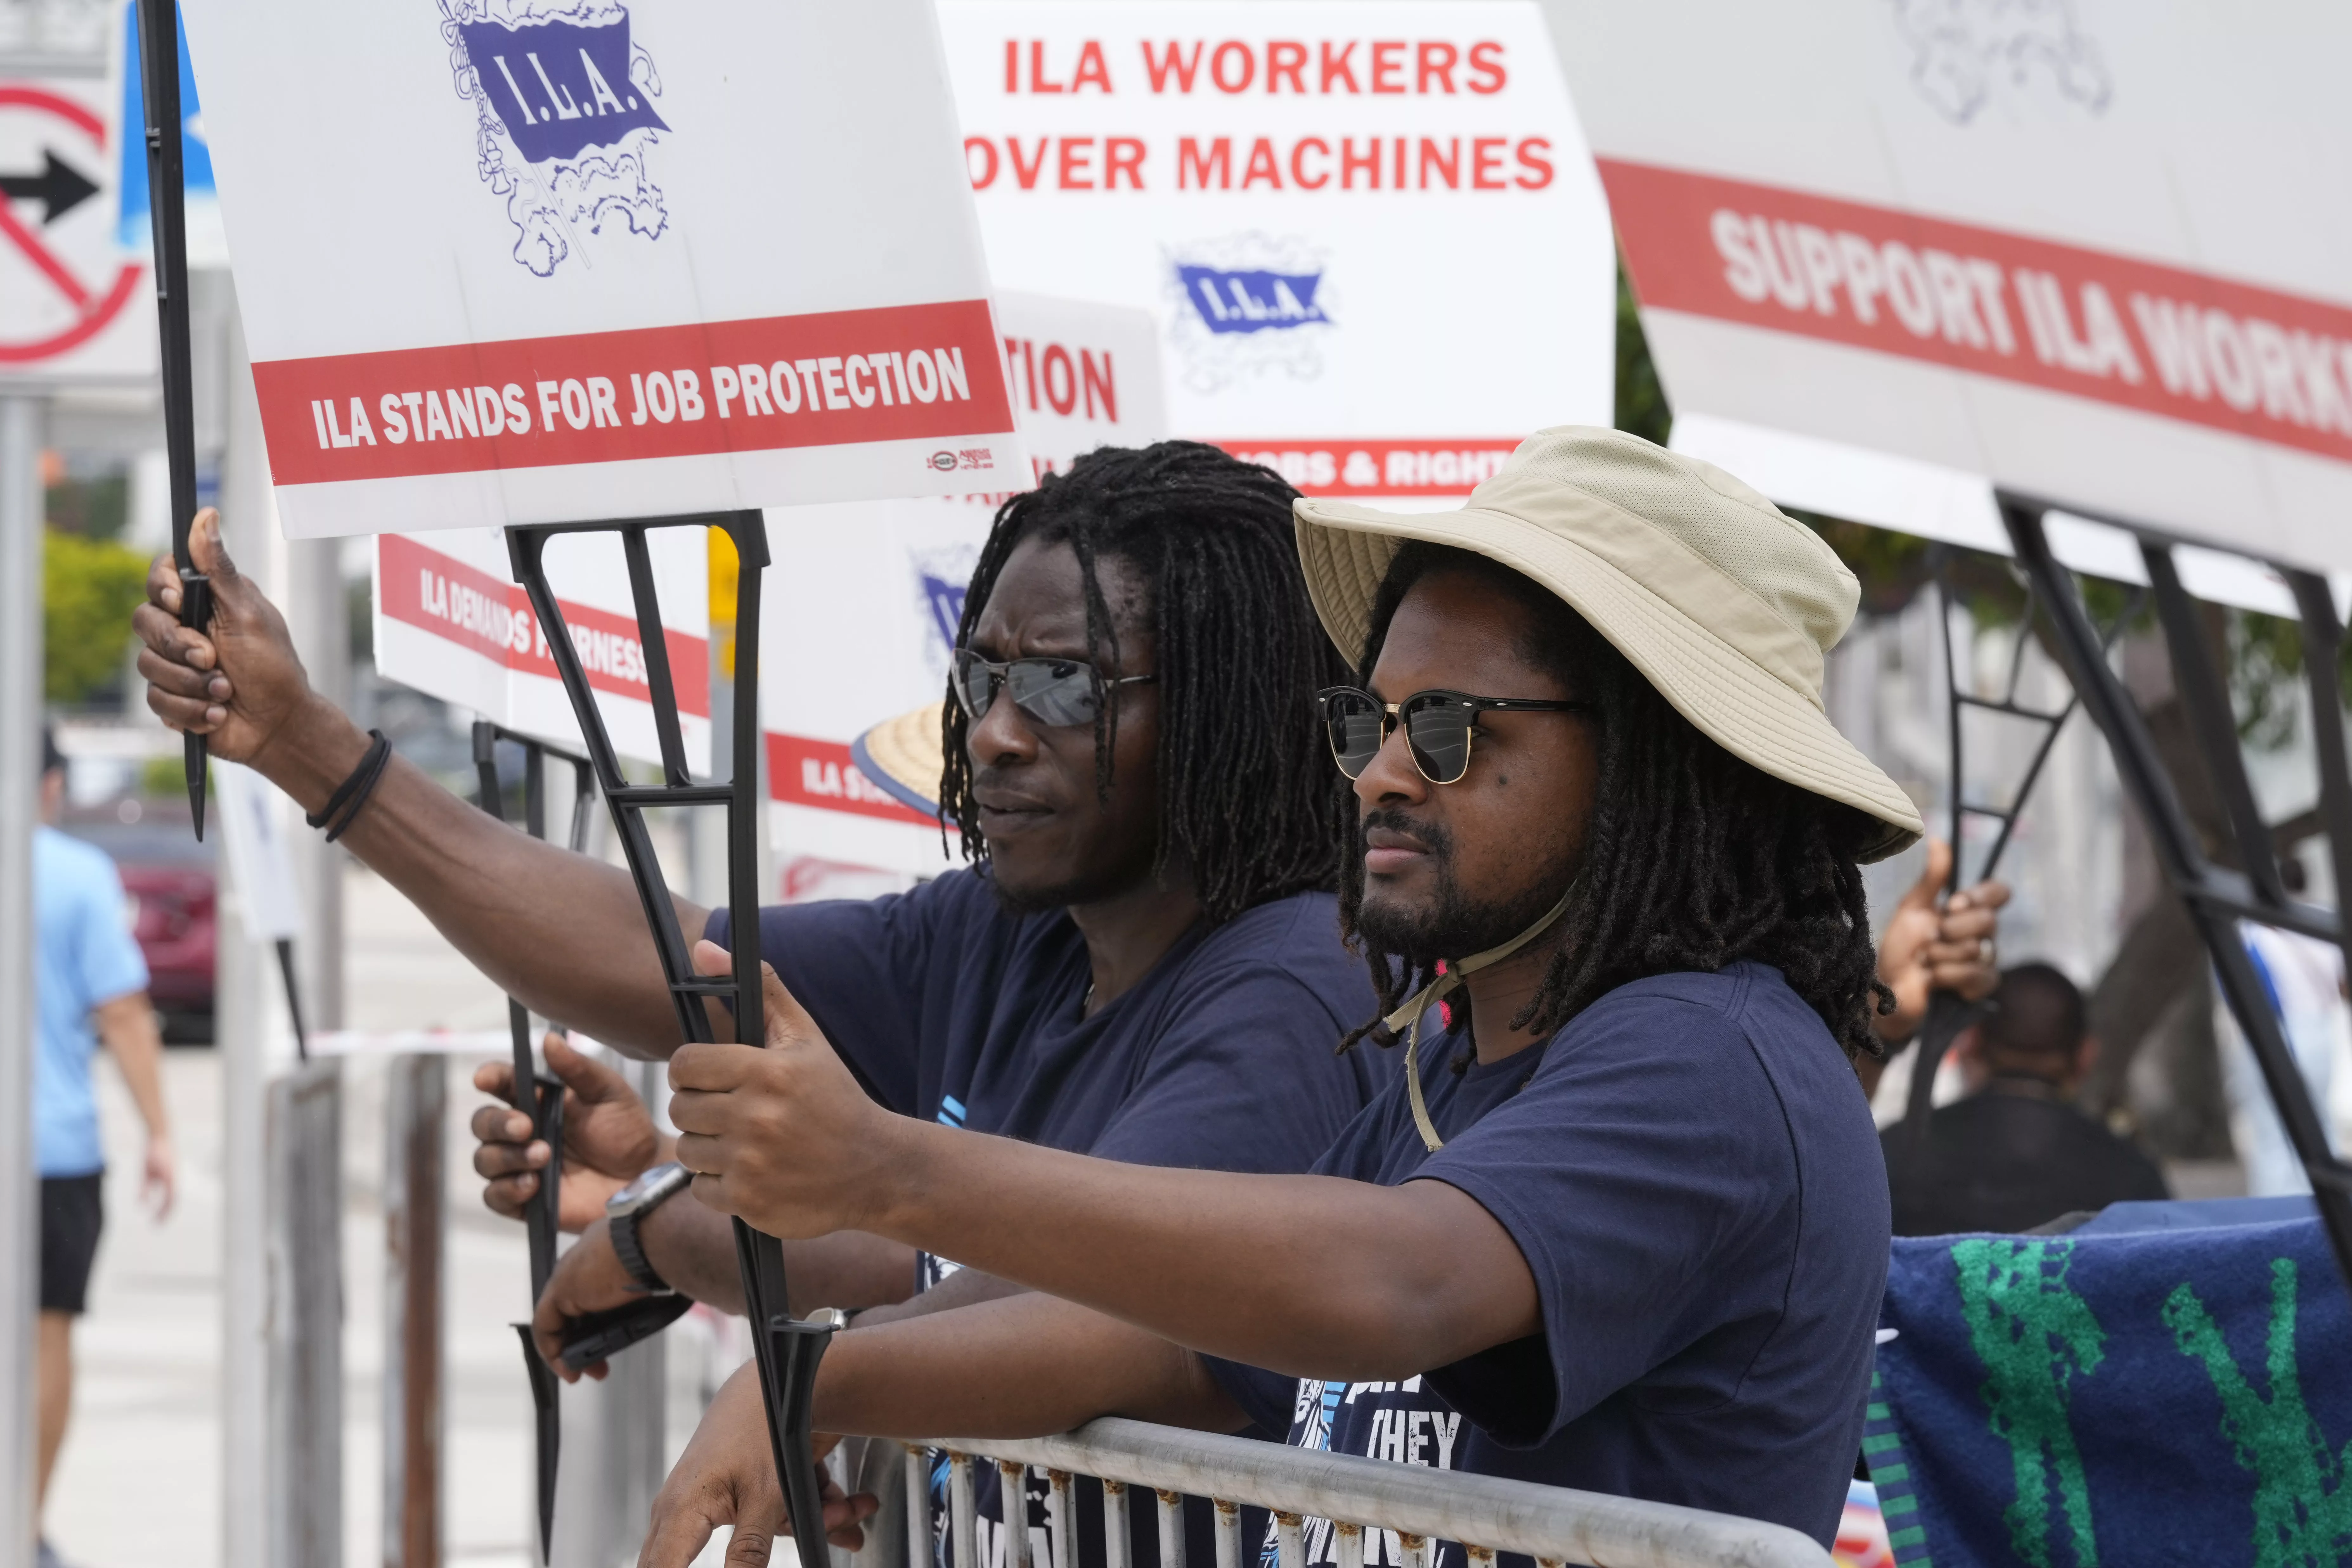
{"x":1458,"y":925}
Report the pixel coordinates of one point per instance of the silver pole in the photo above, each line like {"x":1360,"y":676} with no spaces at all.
{"x":318,"y":616}
{"x":22,"y":422}
{"x":241,"y":1015}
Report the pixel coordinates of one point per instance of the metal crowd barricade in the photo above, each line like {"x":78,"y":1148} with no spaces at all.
{"x":1301,"y":1487}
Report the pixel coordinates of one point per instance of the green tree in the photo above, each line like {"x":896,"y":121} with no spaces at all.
{"x":89,"y":589}
{"x":1640,"y":399}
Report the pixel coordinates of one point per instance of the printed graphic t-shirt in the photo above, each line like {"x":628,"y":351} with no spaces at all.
{"x":84,"y":956}
{"x":1690,"y":1171}
{"x":1220,"y":1059}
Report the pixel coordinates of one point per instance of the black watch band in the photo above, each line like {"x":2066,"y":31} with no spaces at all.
{"x":629,"y":1207}
{"x":632,"y":1253}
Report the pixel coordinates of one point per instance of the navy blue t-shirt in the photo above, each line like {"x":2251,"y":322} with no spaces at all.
{"x":1220,"y":1058}
{"x":1690,"y":1171}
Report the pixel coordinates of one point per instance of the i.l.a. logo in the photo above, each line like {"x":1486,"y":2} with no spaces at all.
{"x":564,"y":117}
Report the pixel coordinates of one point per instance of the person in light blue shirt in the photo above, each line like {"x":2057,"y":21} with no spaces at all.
{"x":89,"y":988}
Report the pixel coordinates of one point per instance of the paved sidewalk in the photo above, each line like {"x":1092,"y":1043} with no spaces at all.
{"x":138,"y":1483}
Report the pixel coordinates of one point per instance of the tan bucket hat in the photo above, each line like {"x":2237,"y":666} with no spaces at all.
{"x":903,"y":755}
{"x":1723,"y":602}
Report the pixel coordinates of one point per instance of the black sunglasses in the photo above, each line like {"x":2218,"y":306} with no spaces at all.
{"x":1051,"y":691}
{"x":1438,"y":726}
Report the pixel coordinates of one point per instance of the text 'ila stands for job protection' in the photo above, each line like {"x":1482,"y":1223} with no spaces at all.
{"x":810,"y":381}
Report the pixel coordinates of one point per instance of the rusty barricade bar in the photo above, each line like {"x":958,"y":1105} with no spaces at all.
{"x":786,"y":1349}
{"x":2218,"y":897}
{"x":1309,"y":1488}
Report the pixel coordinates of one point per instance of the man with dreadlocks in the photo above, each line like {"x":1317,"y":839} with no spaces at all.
{"x":1145,"y":967}
{"x":1619,"y":1222}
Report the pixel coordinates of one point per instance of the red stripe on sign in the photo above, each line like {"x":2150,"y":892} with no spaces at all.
{"x":2253,"y":362}
{"x":1432,"y":466}
{"x":808,"y":772}
{"x":831,"y":380}
{"x":442,"y":595}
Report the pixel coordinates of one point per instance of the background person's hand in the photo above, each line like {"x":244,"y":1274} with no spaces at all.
{"x":728,"y":1477}
{"x":609,"y":1137}
{"x":241,"y":684}
{"x":588,"y":1278}
{"x":1937,"y":943}
{"x":782,"y":1136}
{"x":158,"y":1178}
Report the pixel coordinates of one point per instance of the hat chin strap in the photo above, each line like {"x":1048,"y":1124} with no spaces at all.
{"x":1408,"y":1017}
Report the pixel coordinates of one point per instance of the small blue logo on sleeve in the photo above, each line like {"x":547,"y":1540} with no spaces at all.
{"x":1254,"y":300}
{"x":559,"y":88}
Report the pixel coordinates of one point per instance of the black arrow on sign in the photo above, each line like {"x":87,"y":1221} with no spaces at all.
{"x":59,"y":188}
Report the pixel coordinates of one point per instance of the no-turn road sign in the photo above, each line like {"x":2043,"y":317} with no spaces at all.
{"x":72,"y":307}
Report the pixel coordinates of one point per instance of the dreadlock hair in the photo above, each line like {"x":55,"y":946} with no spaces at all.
{"x":1693,"y":860}
{"x":1245,"y":794}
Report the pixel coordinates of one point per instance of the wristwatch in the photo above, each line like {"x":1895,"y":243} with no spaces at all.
{"x":626,"y":1208}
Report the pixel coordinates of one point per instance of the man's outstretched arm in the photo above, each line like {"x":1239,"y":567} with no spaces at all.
{"x":563,"y":933}
{"x":1310,"y":1276}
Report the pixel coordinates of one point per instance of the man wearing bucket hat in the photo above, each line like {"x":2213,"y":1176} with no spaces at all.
{"x":1619,"y":1223}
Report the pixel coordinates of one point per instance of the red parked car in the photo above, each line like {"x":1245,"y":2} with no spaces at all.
{"x":170,"y":879}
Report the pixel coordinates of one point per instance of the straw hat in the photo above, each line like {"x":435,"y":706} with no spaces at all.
{"x":1724,"y":602}
{"x":902,"y":754}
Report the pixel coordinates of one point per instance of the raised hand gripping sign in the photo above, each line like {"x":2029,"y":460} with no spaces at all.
{"x":544,"y":261}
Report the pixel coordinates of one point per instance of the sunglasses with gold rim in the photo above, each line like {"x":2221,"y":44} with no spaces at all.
{"x":1439,"y":726}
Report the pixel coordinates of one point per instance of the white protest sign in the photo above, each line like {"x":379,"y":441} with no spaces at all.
{"x":862,"y":605}
{"x":451,"y":621}
{"x":72,"y":307}
{"x":550,"y":260}
{"x":2088,"y":252}
{"x":1370,"y":233}
{"x":260,"y":860}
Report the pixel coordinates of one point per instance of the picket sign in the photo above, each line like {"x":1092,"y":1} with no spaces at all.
{"x":451,"y":621}
{"x":864,"y":598}
{"x":1369,"y":235}
{"x":2061,"y":249}
{"x":565,"y":260}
